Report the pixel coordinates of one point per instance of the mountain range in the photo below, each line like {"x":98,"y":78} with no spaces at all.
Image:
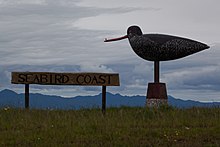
{"x":9,"y":98}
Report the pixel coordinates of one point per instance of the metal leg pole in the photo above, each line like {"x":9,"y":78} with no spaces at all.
{"x":156,"y":71}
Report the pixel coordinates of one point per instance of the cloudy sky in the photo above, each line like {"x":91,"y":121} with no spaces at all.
{"x":68,"y":35}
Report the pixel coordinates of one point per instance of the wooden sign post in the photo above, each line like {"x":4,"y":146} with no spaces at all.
{"x":49,"y":78}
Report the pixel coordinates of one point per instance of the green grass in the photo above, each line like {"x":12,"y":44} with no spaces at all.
{"x":123,"y":126}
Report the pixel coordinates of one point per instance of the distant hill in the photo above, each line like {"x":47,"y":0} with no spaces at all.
{"x":40,"y":101}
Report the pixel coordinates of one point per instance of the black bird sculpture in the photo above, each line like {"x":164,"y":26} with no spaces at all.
{"x":159,"y":47}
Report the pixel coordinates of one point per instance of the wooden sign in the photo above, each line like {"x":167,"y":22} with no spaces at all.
{"x":49,"y":78}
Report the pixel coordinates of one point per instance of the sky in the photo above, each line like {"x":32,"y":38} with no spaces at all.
{"x":68,"y":35}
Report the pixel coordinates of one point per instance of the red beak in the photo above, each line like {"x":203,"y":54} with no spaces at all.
{"x":116,"y":39}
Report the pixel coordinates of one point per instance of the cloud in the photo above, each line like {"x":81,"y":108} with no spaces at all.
{"x":67,"y":36}
{"x":12,"y":2}
{"x":200,"y":21}
{"x":43,"y":32}
{"x":195,"y":78}
{"x":95,"y":68}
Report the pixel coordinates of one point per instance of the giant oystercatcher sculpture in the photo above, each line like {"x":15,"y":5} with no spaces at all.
{"x":159,"y":47}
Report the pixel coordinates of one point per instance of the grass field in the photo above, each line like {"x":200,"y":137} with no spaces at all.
{"x":123,"y":126}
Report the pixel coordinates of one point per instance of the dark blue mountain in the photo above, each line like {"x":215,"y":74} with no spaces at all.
{"x":10,"y":98}
{"x":40,"y":101}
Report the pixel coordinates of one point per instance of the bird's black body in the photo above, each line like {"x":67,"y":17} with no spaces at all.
{"x":159,"y":47}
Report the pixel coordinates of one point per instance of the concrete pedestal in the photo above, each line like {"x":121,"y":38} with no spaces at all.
{"x":156,"y":94}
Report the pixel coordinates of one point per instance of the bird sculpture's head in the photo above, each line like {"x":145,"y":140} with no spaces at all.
{"x":131,"y":31}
